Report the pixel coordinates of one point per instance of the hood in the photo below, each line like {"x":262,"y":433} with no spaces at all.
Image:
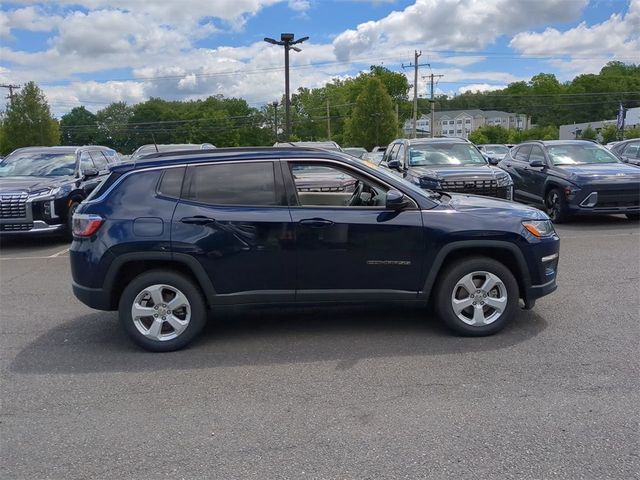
{"x":605,"y":172}
{"x":30,"y":184}
{"x":470,"y":172}
{"x":494,"y":207}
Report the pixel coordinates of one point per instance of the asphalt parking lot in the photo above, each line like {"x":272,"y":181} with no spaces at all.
{"x":338,"y":393}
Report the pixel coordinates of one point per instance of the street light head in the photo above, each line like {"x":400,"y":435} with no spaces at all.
{"x":296,"y":49}
{"x":300,"y":40}
{"x":271,"y":40}
{"x":286,"y":37}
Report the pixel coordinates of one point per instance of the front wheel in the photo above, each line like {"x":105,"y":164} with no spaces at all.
{"x":162,"y":310}
{"x":556,"y":205}
{"x":477,"y":296}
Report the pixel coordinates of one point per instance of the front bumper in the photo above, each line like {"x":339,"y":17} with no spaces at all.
{"x":606,"y":199}
{"x":37,"y":227}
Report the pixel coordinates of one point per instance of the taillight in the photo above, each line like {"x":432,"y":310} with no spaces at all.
{"x":86,"y":225}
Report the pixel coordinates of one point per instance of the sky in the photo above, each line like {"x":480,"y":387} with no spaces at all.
{"x":94,"y":52}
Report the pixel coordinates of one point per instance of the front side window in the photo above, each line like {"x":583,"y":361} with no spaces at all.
{"x":38,"y":164}
{"x":632,"y":150}
{"x":445,"y":154}
{"x":575,"y":154}
{"x":99,"y":160}
{"x":536,"y":154}
{"x":320,"y":185}
{"x":522,"y":154}
{"x":243,"y":184}
{"x":86,"y":162}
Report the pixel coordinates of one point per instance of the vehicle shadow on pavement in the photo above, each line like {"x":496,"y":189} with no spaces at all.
{"x":12,"y":244}
{"x":598,"y":222}
{"x":96,"y":343}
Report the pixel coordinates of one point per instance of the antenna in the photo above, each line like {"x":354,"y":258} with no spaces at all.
{"x":153,"y":137}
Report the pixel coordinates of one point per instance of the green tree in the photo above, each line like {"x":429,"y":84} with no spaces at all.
{"x":373,"y":121}
{"x":78,"y":127}
{"x":478,"y":137}
{"x":589,"y":133}
{"x":609,"y":133}
{"x":28,"y":121}
{"x":113,"y":128}
{"x":633,"y":132}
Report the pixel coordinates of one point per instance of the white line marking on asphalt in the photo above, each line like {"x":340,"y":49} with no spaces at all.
{"x":29,"y":258}
{"x":59,"y":253}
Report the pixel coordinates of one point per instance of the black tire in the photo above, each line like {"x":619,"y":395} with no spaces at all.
{"x":556,"y":206}
{"x":454,"y":273}
{"x":72,"y":209}
{"x":634,"y":217}
{"x":172,"y":279}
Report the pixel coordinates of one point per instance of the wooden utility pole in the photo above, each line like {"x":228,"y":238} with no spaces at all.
{"x":328,"y":121}
{"x":11,"y":87}
{"x":275,"y":120}
{"x":415,"y":65}
{"x":432,"y":101}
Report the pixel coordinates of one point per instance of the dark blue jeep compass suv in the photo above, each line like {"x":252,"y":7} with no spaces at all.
{"x":168,"y":238}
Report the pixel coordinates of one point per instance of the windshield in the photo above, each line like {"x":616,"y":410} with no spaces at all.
{"x":445,"y":154}
{"x":580,"y":154}
{"x":496,"y":149}
{"x":41,"y":164}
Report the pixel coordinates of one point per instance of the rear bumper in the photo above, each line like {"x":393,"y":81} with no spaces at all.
{"x":96,"y":298}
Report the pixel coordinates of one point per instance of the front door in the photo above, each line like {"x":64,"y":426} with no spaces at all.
{"x":233,"y":218}
{"x":348,"y":244}
{"x":536,"y":176}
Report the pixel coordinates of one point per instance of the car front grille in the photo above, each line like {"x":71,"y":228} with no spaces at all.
{"x":618,"y":198}
{"x":13,"y":205}
{"x":16,"y":227}
{"x":487,"y":188}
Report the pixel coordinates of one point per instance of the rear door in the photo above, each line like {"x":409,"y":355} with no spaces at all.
{"x":516,"y":166}
{"x":349,"y":246}
{"x":233,"y":218}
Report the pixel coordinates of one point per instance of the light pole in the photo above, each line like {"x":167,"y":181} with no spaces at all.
{"x":287,"y":41}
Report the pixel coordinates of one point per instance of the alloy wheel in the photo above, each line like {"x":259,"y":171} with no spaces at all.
{"x":553,"y":205}
{"x":161,"y":312}
{"x":479,"y":298}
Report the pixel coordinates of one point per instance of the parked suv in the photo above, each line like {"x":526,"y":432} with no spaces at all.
{"x":167,"y":239}
{"x":40,"y":187}
{"x":628,"y":151}
{"x":447,"y":164}
{"x":573,"y":177}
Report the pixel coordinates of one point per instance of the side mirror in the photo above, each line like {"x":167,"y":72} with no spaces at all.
{"x":90,"y":173}
{"x":394,"y":164}
{"x":493,"y":161}
{"x":536,"y":163}
{"x":396,"y":200}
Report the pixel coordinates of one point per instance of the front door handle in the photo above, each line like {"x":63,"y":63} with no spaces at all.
{"x":316,"y":222}
{"x":508,"y":164}
{"x":198,"y":220}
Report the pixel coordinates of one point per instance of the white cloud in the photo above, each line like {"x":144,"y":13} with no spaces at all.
{"x":454,"y":24}
{"x":480,"y":87}
{"x":299,"y":5}
{"x":588,"y":47}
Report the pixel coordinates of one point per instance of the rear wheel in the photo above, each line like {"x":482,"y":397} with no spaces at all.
{"x":477,"y":296}
{"x":162,"y":310}
{"x":556,"y":205}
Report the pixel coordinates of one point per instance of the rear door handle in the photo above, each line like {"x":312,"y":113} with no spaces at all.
{"x":316,"y":222}
{"x":198,"y":220}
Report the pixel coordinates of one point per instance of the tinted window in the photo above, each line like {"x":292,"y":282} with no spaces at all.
{"x":536,"y":154}
{"x":110,"y":155}
{"x":99,"y":160}
{"x":391,"y":152}
{"x":171,"y":183}
{"x":401,"y":154}
{"x":251,"y":184}
{"x":632,"y":150}
{"x":522,"y":153}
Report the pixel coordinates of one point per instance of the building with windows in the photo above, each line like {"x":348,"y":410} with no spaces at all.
{"x":574,"y":130}
{"x":460,"y":123}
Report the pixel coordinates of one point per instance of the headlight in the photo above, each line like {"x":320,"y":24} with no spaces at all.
{"x":539,"y":228}
{"x":504,"y":181}
{"x":46,"y":193}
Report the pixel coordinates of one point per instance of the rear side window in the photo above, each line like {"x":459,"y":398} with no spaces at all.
{"x":171,"y":182}
{"x":246,"y":184}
